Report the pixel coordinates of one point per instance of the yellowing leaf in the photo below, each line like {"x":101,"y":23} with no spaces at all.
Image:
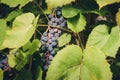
{"x":14,"y":3}
{"x":57,"y":3}
{"x":118,"y":18}
{"x":108,"y":43}
{"x":102,"y":3}
{"x":21,"y":31}
{"x":72,"y":64}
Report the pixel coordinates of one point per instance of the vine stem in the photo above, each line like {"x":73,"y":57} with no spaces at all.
{"x":80,"y":41}
{"x":41,"y":9}
{"x":76,"y":39}
{"x":30,"y":65}
{"x":43,"y":25}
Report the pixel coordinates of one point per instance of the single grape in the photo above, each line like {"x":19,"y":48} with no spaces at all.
{"x":45,"y":34}
{"x":58,"y":13}
{"x":51,"y":31}
{"x":50,"y":23}
{"x":54,"y":44}
{"x":53,"y":39}
{"x":50,"y":16}
{"x":45,"y":67}
{"x":50,"y":57}
{"x":44,"y":38}
{"x":54,"y":24}
{"x":53,"y":19}
{"x":59,"y":31}
{"x":56,"y":34}
{"x":52,"y":52}
{"x":62,"y":24}
{"x":50,"y":48}
{"x":62,"y":19}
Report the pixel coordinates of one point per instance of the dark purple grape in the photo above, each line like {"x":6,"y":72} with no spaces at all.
{"x":45,"y":67}
{"x":59,"y":31}
{"x":50,"y":48}
{"x":62,"y":24}
{"x":54,"y":24}
{"x":45,"y":34}
{"x":44,"y":38}
{"x":54,"y":44}
{"x":56,"y":34}
{"x":51,"y":31}
{"x":52,"y":52}
{"x":50,"y":57}
{"x":53,"y":19}
{"x":50,"y":16}
{"x":50,"y":23}
{"x":62,"y":19}
{"x":58,"y":13}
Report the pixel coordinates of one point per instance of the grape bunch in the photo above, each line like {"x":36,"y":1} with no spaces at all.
{"x":49,"y":39}
{"x":4,"y":63}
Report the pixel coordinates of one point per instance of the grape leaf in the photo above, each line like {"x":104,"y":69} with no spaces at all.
{"x":67,"y":59}
{"x":64,"y":39}
{"x":102,"y":3}
{"x":118,"y":18}
{"x":13,"y":15}
{"x":68,"y":65}
{"x":21,"y":57}
{"x":57,"y":3}
{"x":2,"y":30}
{"x":77,"y":23}
{"x":95,"y":66}
{"x":1,"y":74}
{"x":14,"y":3}
{"x":21,"y":31}
{"x":24,"y":75}
{"x":100,"y":37}
{"x":69,"y":11}
{"x":39,"y":73}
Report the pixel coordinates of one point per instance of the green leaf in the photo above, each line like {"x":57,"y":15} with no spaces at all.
{"x":13,"y":15}
{"x":12,"y":60}
{"x":57,"y":3}
{"x":2,"y":30}
{"x":34,"y":46}
{"x":1,"y":74}
{"x":39,"y":73}
{"x":21,"y":31}
{"x":14,"y":3}
{"x":64,"y":39}
{"x":24,"y":75}
{"x":71,"y":64}
{"x":27,"y":46}
{"x":95,"y":66}
{"x":100,"y":37}
{"x":118,"y":18}
{"x":69,"y":11}
{"x":77,"y":23}
{"x":102,"y":3}
{"x":66,"y":60}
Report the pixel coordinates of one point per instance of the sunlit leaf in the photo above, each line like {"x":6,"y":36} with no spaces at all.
{"x":1,"y":74}
{"x":69,"y":11}
{"x":2,"y":30}
{"x":57,"y":3}
{"x":14,"y":3}
{"x":64,"y":39}
{"x":118,"y":18}
{"x":102,"y":3}
{"x":77,"y":23}
{"x":21,"y":31}
{"x":100,"y":37}
{"x":68,"y":64}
